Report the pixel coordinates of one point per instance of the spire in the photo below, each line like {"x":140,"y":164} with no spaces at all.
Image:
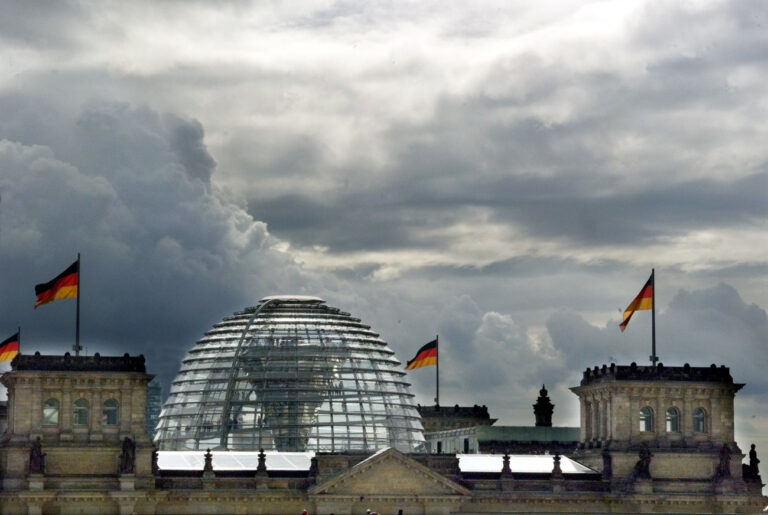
{"x":543,"y":409}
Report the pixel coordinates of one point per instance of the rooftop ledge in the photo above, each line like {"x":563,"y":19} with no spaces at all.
{"x":633,"y":372}
{"x":69,"y":363}
{"x":292,"y":298}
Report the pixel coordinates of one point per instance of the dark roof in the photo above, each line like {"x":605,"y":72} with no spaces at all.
{"x":633,"y":372}
{"x":479,"y":412}
{"x":528,"y":434}
{"x":69,"y":363}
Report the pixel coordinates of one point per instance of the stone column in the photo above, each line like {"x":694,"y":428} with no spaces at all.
{"x":65,"y":411}
{"x":11,"y":412}
{"x":139,"y":410}
{"x":126,"y":408}
{"x":603,"y":418}
{"x":716,"y":402}
{"x":583,"y":415}
{"x":37,"y":409}
{"x":611,"y":402}
{"x":726,"y":415}
{"x":634,"y":417}
{"x":34,"y":508}
{"x":596,"y":418}
{"x":96,"y":414}
{"x":661,"y":415}
{"x":687,"y":416}
{"x":19,"y":420}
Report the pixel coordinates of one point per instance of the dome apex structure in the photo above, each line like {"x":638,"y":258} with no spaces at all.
{"x":293,"y":298}
{"x":290,"y":374}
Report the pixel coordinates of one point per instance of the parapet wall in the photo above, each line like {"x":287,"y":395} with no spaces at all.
{"x":69,"y":363}
{"x":633,"y":372}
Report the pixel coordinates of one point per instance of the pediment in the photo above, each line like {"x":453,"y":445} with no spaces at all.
{"x":389,"y":472}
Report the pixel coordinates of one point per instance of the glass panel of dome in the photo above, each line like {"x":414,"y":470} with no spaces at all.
{"x":291,"y":374}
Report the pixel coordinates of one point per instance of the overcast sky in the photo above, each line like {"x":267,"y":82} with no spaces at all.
{"x":503,"y":174}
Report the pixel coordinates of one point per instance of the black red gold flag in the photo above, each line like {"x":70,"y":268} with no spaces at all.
{"x":644,"y":300}
{"x":426,"y":356}
{"x":9,"y":348}
{"x":63,"y":286}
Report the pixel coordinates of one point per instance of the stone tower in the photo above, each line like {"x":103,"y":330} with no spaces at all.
{"x":69,"y":421}
{"x":668,"y":423}
{"x":543,"y":409}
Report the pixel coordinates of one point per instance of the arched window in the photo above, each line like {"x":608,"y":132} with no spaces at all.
{"x":673,"y":420}
{"x":646,"y":419}
{"x":110,"y":413}
{"x":699,"y":420}
{"x":51,"y":412}
{"x":80,"y":413}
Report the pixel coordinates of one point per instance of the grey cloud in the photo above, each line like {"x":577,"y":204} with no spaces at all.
{"x":556,"y":180}
{"x":545,"y":207}
{"x":341,"y":224}
{"x":716,"y":325}
{"x":701,"y":327}
{"x":187,"y":142}
{"x":40,"y":23}
{"x":520,"y":266}
{"x":163,"y":258}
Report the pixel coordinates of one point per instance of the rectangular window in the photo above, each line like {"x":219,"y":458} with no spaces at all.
{"x":51,"y":412}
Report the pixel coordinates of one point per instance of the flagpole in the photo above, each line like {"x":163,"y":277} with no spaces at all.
{"x":77,"y":347}
{"x":654,"y":358}
{"x":437,"y":370}
{"x":19,"y":341}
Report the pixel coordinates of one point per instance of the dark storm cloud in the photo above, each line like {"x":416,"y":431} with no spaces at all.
{"x":553,"y":179}
{"x":521,"y":266}
{"x":701,"y":327}
{"x":163,"y":258}
{"x":503,"y":146}
{"x":545,"y":207}
{"x":342,"y":224}
{"x":497,"y":354}
{"x":641,"y":216}
{"x":187,"y":142}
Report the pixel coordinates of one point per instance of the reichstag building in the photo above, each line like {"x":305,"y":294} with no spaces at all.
{"x":293,"y":406}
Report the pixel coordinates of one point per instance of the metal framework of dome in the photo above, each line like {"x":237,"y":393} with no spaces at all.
{"x":291,"y":374}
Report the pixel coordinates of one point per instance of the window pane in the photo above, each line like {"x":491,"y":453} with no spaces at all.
{"x":699,"y":421}
{"x":51,"y":412}
{"x":646,"y":419}
{"x":110,"y":412}
{"x":673,"y":421}
{"x":80,"y":413}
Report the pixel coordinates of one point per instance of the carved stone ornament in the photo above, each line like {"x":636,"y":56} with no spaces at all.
{"x":643,"y":465}
{"x":127,"y":464}
{"x":36,"y":458}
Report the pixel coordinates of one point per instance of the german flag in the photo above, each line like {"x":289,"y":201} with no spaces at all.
{"x":426,"y":356}
{"x":644,"y":300}
{"x":9,"y":348}
{"x":63,"y":286}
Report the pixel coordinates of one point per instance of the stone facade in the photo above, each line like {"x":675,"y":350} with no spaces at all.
{"x":81,"y":409}
{"x":501,"y":439}
{"x":69,"y":461}
{"x":441,"y":418}
{"x":460,"y":435}
{"x":682,"y":416}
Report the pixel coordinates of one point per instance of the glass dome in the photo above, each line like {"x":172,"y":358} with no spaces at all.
{"x":291,"y":374}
